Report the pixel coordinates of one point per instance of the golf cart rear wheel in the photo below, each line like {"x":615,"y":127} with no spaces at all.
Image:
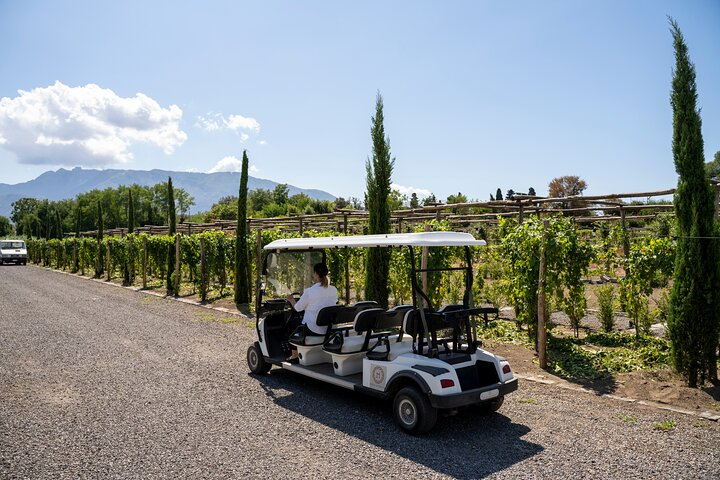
{"x":255,"y":360}
{"x":413,"y":412}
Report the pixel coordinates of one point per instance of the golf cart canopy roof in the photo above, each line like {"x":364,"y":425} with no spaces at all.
{"x":422,"y":239}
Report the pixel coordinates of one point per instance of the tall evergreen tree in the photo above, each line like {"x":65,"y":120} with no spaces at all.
{"x":127,"y":270}
{"x":100,"y":257}
{"x":169,"y":287}
{"x":414,"y":202}
{"x":379,"y":170}
{"x":498,"y":194}
{"x":242,"y":285}
{"x":131,"y":212}
{"x":58,"y":225}
{"x":694,"y":320}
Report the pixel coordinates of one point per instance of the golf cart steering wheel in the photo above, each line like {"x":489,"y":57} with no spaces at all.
{"x":296,"y":296}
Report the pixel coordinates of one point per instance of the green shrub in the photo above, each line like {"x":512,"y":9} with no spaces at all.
{"x":606,"y":301}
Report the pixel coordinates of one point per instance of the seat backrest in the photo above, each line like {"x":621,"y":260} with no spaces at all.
{"x":366,"y":319}
{"x":393,"y":318}
{"x":328,"y":316}
{"x":347,"y":314}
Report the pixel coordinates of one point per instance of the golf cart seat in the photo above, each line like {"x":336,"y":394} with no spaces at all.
{"x":310,"y":347}
{"x":370,"y":325}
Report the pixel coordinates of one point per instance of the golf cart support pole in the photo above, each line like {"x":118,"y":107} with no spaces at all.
{"x":415,"y":290}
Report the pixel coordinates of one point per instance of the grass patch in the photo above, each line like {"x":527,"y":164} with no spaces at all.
{"x":632,"y":420}
{"x":703,"y":424}
{"x":529,"y":401}
{"x":205,"y":317}
{"x":665,"y":426}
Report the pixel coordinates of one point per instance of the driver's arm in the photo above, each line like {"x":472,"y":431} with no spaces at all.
{"x":302,"y":303}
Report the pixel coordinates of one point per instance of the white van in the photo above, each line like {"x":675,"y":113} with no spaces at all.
{"x":421,"y":357}
{"x":13,"y":251}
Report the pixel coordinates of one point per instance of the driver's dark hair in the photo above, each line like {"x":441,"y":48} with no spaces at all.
{"x":322,"y":270}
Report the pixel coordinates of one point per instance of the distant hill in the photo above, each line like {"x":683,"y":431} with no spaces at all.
{"x":207,"y":188}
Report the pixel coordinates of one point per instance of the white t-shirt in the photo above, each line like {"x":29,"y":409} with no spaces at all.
{"x":312,"y":300}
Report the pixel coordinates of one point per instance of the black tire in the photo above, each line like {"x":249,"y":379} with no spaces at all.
{"x":413,"y":412}
{"x":255,"y":360}
{"x":493,"y":405}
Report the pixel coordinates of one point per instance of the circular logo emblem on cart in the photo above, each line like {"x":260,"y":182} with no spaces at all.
{"x":378,"y":375}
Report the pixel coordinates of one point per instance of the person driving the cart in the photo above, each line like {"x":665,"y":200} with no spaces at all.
{"x":318,"y":296}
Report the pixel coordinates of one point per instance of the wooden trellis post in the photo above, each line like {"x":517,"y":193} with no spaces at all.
{"x":177,"y":264}
{"x":107,"y":262}
{"x":145,"y":262}
{"x":541,"y":336}
{"x":203,"y":285}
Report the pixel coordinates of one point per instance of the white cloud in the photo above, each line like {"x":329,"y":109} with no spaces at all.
{"x":243,"y":126}
{"x":231,"y":164}
{"x":238,"y":122}
{"x":421,"y":192}
{"x":262,"y":142}
{"x":208,"y":124}
{"x":88,"y":126}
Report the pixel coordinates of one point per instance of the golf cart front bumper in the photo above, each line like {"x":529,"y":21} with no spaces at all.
{"x":471,"y":397}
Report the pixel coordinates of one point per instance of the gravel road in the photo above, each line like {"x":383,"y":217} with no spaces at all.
{"x":103,"y":382}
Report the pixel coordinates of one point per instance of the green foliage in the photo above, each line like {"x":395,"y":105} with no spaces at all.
{"x":504,"y":332}
{"x":694,"y":322}
{"x":665,"y":425}
{"x":379,"y":170}
{"x":606,"y":302}
{"x":242,"y":271}
{"x":600,"y":355}
{"x":648,"y":265}
{"x":5,"y":227}
{"x":567,"y":260}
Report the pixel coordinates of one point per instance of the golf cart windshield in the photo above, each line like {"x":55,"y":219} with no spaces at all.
{"x":8,"y":245}
{"x":289,"y":272}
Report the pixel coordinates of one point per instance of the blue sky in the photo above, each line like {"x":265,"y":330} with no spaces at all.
{"x":478,"y":95}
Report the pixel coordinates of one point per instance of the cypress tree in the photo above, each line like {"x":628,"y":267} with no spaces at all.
{"x":693,"y":323}
{"x":100,"y":263}
{"x":498,"y":194}
{"x":242,"y":285}
{"x":379,"y":170}
{"x":131,"y":225}
{"x":169,"y":287}
{"x":58,"y":222}
{"x":131,"y":212}
{"x":76,"y":266}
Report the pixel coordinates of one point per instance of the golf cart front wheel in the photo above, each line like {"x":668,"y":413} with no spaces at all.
{"x":413,"y":412}
{"x":255,"y":360}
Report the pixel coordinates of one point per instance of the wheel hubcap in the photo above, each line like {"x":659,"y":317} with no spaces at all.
{"x":253,"y":358}
{"x":407,"y":412}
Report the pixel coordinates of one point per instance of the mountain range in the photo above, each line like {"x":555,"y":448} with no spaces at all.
{"x":206,"y":188}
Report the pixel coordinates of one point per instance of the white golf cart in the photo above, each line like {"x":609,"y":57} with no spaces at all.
{"x":425,"y":359}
